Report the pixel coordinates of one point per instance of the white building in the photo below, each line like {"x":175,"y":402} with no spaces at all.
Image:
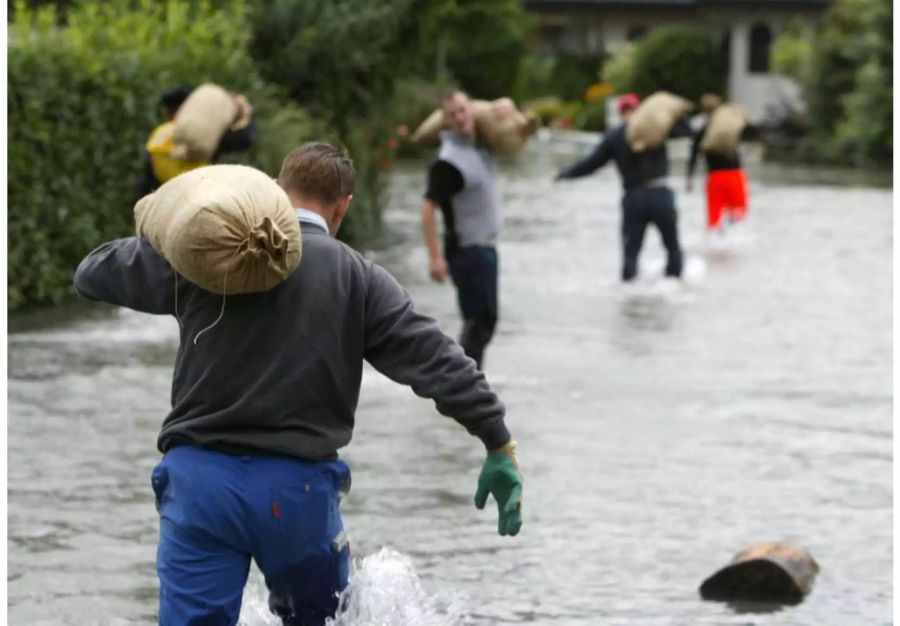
{"x":746,"y":29}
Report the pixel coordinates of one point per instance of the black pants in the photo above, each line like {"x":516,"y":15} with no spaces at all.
{"x":649,"y":205}
{"x":474,"y":271}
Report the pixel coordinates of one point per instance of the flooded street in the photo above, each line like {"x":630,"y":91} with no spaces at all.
{"x":660,"y":431}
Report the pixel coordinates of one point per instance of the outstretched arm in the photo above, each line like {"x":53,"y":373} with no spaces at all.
{"x":410,"y":349}
{"x":130,"y":273}
{"x":599,"y":157}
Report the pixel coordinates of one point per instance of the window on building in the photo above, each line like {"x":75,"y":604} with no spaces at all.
{"x":635,"y":32}
{"x":760,"y":46}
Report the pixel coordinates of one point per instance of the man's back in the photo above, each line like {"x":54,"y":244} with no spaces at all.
{"x":637,"y":168}
{"x":280,"y":371}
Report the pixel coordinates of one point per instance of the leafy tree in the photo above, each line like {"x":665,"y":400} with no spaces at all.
{"x":681,"y":59}
{"x":845,"y":70}
{"x":481,"y":43}
{"x":81,"y":101}
{"x":866,"y":128}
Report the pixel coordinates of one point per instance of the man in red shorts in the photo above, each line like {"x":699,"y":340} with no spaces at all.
{"x":726,"y":185}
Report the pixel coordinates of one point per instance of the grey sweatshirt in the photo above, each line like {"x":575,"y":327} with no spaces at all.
{"x":280,"y":372}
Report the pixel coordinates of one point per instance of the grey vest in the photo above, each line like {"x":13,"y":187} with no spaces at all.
{"x":476,"y":209}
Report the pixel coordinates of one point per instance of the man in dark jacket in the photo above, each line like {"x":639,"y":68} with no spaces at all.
{"x":261,"y":405}
{"x":157,"y":166}
{"x":647,"y":199}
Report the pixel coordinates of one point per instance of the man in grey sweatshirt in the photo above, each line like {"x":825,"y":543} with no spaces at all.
{"x":263,"y":401}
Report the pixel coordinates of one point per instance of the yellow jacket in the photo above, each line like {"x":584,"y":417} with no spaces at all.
{"x":159,"y":146}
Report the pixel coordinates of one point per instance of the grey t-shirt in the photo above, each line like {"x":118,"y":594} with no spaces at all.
{"x":463,"y":182}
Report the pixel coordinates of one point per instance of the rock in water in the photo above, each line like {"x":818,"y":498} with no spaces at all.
{"x":765,"y":572}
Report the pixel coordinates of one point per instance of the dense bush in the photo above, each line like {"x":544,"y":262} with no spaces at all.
{"x":592,"y":116}
{"x":81,"y":102}
{"x":619,"y":69}
{"x":564,"y":75}
{"x":845,"y":69}
{"x":480,"y":44}
{"x":83,"y":87}
{"x":681,"y":59}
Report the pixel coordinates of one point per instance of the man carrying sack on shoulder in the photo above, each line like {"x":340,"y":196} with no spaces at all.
{"x":726,"y":183}
{"x":647,"y":198}
{"x":462,"y":183}
{"x":262,"y":404}
{"x":161,"y":161}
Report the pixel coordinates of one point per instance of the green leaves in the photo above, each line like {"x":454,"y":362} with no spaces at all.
{"x":681,"y":59}
{"x":845,"y":69}
{"x":82,"y":99}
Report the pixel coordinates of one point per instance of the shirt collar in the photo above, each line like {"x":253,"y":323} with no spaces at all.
{"x":310,"y":217}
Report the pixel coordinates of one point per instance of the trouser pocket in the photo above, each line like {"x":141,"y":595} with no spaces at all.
{"x":159,"y":480}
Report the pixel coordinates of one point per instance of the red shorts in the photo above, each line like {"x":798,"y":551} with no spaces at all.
{"x":725,"y":189}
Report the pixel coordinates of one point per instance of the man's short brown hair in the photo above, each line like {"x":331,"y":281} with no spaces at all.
{"x":451,"y":90}
{"x":318,"y":170}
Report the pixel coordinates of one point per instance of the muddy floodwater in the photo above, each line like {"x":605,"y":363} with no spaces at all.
{"x":661,"y":428}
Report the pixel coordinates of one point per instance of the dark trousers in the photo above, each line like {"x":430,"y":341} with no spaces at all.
{"x":474,"y":272}
{"x":643,"y":206}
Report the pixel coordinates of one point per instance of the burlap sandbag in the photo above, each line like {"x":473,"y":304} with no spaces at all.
{"x":726,"y":123}
{"x":498,"y":124}
{"x":650,"y":123}
{"x":201,"y":121}
{"x":226,"y":228}
{"x":502,"y":127}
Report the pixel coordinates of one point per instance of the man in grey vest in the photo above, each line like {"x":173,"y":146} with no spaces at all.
{"x":462,"y":183}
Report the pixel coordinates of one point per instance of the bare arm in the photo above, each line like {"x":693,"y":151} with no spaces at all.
{"x":444,"y":180}
{"x":437,"y":265}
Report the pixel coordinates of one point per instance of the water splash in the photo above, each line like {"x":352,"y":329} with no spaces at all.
{"x":384,"y":590}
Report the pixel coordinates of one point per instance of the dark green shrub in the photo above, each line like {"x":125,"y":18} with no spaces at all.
{"x":592,"y":116}
{"x":81,"y":102}
{"x":480,"y":44}
{"x":681,"y":59}
{"x":564,"y":75}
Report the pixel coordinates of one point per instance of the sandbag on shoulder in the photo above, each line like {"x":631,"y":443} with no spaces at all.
{"x":652,"y":120}
{"x":502,"y":127}
{"x":726,"y":123}
{"x":226,"y":228}
{"x":202,"y":120}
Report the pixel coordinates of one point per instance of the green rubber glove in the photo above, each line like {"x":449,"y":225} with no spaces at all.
{"x":500,"y":477}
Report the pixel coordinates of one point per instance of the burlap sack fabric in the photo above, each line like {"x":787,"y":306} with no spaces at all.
{"x":650,"y":123}
{"x":201,"y":121}
{"x":498,"y":124}
{"x":726,"y":123}
{"x":227,"y":228}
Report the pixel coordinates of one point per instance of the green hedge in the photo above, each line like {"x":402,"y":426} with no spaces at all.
{"x":81,"y":102}
{"x":681,"y":59}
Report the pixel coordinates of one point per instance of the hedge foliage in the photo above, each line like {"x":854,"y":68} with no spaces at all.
{"x":845,"y":70}
{"x":682,"y":59}
{"x":81,"y":102}
{"x":84,"y":84}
